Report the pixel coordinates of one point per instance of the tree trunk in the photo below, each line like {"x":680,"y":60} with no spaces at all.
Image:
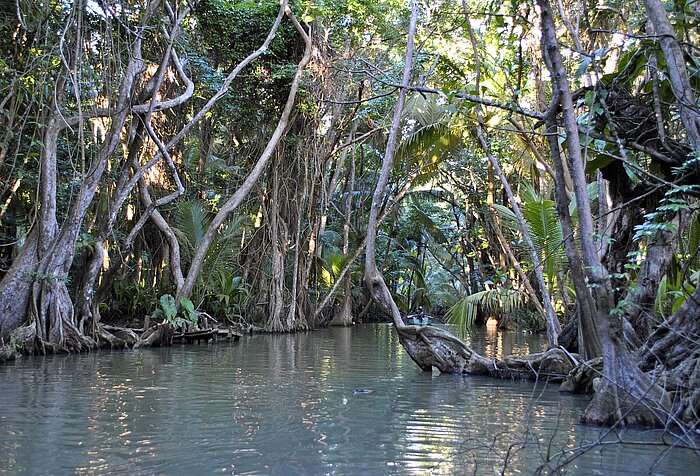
{"x":588,"y":341}
{"x":237,"y":198}
{"x":677,"y":71}
{"x":278,"y":240}
{"x":427,"y":346}
{"x":344,"y":317}
{"x":49,"y":311}
{"x":625,"y":395}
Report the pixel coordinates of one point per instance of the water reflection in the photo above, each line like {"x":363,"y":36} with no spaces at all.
{"x":285,"y":405}
{"x":492,"y":342}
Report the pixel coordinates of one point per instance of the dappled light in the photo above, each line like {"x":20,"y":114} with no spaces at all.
{"x":193,"y":172}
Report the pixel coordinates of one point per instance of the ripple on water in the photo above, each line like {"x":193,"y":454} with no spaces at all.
{"x":285,"y":405}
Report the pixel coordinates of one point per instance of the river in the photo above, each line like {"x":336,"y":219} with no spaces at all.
{"x":335,"y":401}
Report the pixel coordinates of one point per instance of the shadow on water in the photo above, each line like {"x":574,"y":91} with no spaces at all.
{"x":288,"y":404}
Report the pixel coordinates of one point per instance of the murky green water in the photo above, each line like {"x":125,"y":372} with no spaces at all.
{"x":284,"y":404}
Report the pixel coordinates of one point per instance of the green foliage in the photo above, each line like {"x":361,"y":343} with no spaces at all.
{"x":544,"y":230}
{"x":192,"y":219}
{"x":169,"y":311}
{"x":657,"y":220}
{"x":230,"y":295}
{"x":499,"y":301}
{"x":191,"y":222}
{"x":231,"y":30}
{"x":431,"y":138}
{"x":684,"y":272}
{"x":674,"y":289}
{"x":525,"y":319}
{"x":690,"y":244}
{"x":169,"y":308}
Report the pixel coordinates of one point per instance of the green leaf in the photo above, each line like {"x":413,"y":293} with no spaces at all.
{"x":188,"y":308}
{"x":599,"y":162}
{"x":583,"y":66}
{"x":167,"y":303}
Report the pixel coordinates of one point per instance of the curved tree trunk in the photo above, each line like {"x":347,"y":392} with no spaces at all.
{"x":237,"y":198}
{"x":427,"y":347}
{"x":87,"y":306}
{"x":374,"y":281}
{"x":14,"y":288}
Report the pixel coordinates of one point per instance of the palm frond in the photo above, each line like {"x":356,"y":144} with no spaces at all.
{"x":547,"y":236}
{"x":191,"y":221}
{"x":498,"y":301}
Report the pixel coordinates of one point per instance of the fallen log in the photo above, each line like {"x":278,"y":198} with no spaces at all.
{"x":430,"y":347}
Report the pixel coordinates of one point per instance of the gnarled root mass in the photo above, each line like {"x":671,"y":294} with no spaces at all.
{"x":122,"y":337}
{"x":582,"y":377}
{"x":673,"y":359}
{"x":7,"y":353}
{"x":653,"y":399}
{"x":638,"y":402}
{"x":159,"y":335}
{"x":433,"y":347}
{"x":27,"y":340}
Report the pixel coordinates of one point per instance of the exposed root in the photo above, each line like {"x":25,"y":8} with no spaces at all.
{"x":106,"y":337}
{"x":672,"y":358}
{"x":580,"y":379}
{"x":129,"y":337}
{"x":7,"y":353}
{"x":432,"y":347}
{"x":159,"y":335}
{"x":27,"y":341}
{"x":53,"y":319}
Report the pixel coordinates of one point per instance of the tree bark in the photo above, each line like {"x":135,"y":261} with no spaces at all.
{"x":677,"y":71}
{"x":48,"y":310}
{"x":625,"y":395}
{"x":344,"y":318}
{"x":235,"y":200}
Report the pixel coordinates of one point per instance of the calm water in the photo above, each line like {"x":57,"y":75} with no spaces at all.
{"x":284,"y":404}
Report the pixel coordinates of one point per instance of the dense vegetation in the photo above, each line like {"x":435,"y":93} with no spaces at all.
{"x":232,"y":161}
